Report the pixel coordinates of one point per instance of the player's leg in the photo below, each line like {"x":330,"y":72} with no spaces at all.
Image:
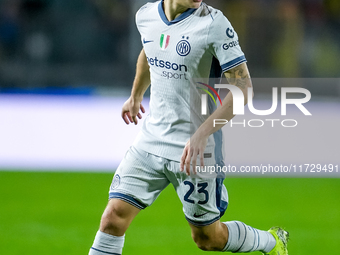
{"x":233,"y":236}
{"x":205,"y":199}
{"x":210,"y":238}
{"x":117,"y":217}
{"x":115,"y":220}
{"x":136,"y":184}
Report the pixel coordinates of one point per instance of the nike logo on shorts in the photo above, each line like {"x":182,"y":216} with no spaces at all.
{"x":199,"y":215}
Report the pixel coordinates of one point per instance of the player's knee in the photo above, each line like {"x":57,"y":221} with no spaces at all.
{"x":210,"y":238}
{"x":203,"y":246}
{"x":109,"y":221}
{"x":112,"y":212}
{"x":113,"y":220}
{"x":204,"y":242}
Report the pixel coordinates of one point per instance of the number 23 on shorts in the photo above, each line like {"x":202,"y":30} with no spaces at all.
{"x":201,"y":189}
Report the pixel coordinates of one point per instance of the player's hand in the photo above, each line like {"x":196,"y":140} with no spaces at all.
{"x":194,"y":147}
{"x":130,"y":110}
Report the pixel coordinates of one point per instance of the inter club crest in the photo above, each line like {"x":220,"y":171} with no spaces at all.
{"x":183,"y":47}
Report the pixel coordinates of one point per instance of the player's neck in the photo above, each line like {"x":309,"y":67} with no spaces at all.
{"x":173,"y":9}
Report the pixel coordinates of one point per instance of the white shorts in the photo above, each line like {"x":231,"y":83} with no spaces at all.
{"x":141,"y":177}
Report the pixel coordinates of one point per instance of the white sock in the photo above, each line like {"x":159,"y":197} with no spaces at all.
{"x":243,"y":238}
{"x":107,"y":244}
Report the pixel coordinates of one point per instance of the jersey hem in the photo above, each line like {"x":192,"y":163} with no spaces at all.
{"x":160,"y":148}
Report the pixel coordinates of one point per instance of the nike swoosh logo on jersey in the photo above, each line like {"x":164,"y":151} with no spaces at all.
{"x":199,"y":215}
{"x":145,"y":41}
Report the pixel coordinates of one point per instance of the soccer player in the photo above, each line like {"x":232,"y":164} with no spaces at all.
{"x":182,"y":40}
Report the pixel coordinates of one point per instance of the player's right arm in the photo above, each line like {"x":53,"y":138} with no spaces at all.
{"x":131,"y":107}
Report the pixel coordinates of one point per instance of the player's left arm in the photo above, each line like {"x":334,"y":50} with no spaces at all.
{"x":238,"y":76}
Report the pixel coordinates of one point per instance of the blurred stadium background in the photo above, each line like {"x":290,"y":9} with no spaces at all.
{"x":66,"y":67}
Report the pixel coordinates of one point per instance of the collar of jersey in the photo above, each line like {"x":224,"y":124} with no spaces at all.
{"x":184,"y":15}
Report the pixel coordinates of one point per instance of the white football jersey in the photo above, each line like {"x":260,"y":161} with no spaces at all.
{"x":180,"y":52}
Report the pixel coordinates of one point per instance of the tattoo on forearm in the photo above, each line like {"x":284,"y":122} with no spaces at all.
{"x":238,"y":77}
{"x":241,"y":83}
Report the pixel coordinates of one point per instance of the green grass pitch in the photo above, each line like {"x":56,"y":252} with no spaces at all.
{"x":59,"y":213}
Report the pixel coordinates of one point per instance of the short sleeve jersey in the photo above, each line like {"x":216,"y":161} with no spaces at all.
{"x":179,"y":52}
